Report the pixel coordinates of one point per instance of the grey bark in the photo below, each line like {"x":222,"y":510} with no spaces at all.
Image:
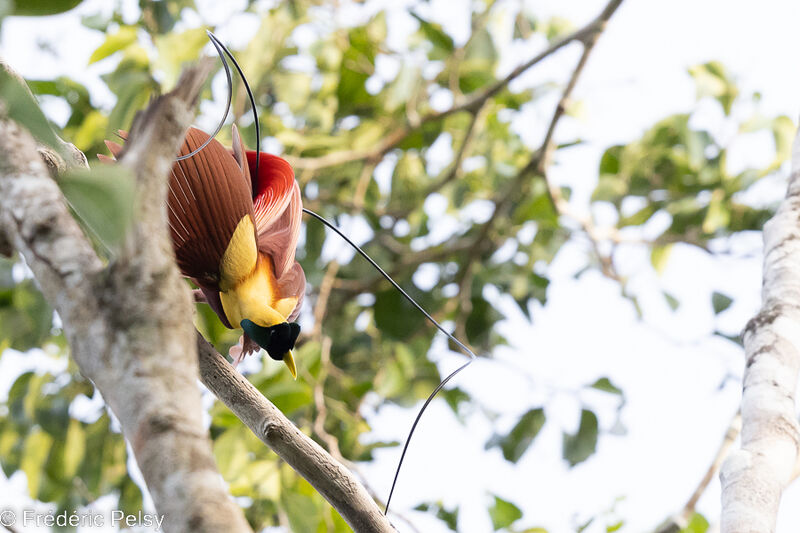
{"x":129,"y":323}
{"x":754,"y":477}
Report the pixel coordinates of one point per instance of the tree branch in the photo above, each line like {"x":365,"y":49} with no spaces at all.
{"x":754,"y":477}
{"x":680,"y":520}
{"x":333,"y":481}
{"x":128,"y":325}
{"x":586,"y":34}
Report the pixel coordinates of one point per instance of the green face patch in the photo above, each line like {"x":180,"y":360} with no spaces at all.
{"x":276,"y":340}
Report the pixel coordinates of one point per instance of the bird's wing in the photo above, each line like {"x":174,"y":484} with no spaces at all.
{"x":209,"y":195}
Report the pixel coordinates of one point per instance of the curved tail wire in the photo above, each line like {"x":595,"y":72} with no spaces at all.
{"x":223,"y":51}
{"x":433,"y":321}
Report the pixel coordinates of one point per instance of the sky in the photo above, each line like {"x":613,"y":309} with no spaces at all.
{"x":681,"y":384}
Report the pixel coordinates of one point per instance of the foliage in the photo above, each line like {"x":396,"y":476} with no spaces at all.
{"x":340,"y":102}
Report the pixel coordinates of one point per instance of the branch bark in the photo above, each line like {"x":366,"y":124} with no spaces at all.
{"x":754,"y":477}
{"x":333,"y":481}
{"x":128,"y":324}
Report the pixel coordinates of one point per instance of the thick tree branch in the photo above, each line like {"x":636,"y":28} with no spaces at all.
{"x":754,"y":477}
{"x":128,"y":325}
{"x":35,"y":219}
{"x":333,"y":481}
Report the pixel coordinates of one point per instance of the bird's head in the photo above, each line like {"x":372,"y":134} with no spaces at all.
{"x":277,"y":340}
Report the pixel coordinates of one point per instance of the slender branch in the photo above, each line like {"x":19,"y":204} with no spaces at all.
{"x":128,"y":324}
{"x":542,"y":158}
{"x":333,"y":481}
{"x":680,"y":520}
{"x":754,"y":477}
{"x":455,"y":170}
{"x":585,"y":34}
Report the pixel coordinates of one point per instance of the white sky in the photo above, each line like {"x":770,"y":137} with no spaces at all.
{"x":671,"y":370}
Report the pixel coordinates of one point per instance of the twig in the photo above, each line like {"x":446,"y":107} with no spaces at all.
{"x":542,"y":158}
{"x":455,"y":170}
{"x":333,"y":481}
{"x":319,"y":401}
{"x":681,"y":519}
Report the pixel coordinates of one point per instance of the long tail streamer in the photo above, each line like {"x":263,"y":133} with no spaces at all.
{"x":223,"y":51}
{"x":433,"y":321}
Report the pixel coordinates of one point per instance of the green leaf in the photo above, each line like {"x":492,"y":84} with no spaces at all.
{"x":26,"y":318}
{"x":480,"y":322}
{"x":673,"y":302}
{"x":43,"y":7}
{"x":303,"y":511}
{"x":74,"y":448}
{"x":134,"y":86}
{"x":579,"y":447}
{"x":659,"y":256}
{"x":102,"y":198}
{"x":640,"y":217}
{"x":516,"y":443}
{"x":124,"y":37}
{"x":736,"y":339}
{"x":395,"y":316}
{"x":286,"y":394}
{"x":230,"y":452}
{"x":177,"y":48}
{"x":538,"y":207}
{"x":21,"y":107}
{"x":783,"y":132}
{"x":442,"y":43}
{"x":712,"y":79}
{"x":555,"y":27}
{"x":697,"y":524}
{"x":720,"y":302}
{"x":503,"y":513}
{"x":605,"y":385}
{"x":35,"y":451}
{"x":130,"y":497}
{"x":481,"y":47}
{"x":718,"y":215}
{"x":455,"y":397}
{"x":450,"y":518}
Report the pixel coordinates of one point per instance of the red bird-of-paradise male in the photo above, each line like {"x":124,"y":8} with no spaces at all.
{"x":234,"y":218}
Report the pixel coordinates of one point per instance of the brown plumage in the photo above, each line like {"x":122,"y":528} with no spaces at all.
{"x":208,"y":196}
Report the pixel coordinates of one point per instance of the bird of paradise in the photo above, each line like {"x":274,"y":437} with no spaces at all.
{"x":234,"y":219}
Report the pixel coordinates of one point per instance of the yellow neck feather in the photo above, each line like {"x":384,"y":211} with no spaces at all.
{"x":248,"y":287}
